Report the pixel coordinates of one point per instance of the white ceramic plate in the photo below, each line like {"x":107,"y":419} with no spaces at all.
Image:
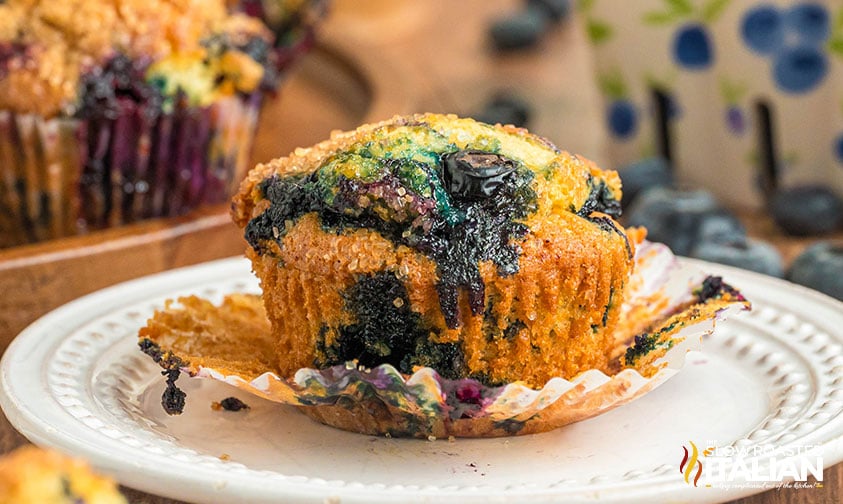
{"x":75,"y":380}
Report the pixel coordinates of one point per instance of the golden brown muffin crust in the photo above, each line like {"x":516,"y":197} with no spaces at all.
{"x":62,"y":40}
{"x":554,"y":316}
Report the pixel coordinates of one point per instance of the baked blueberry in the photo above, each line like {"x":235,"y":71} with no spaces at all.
{"x":807,"y":210}
{"x":473,"y":174}
{"x":820,"y":267}
{"x":753,"y":255}
{"x":644,"y":174}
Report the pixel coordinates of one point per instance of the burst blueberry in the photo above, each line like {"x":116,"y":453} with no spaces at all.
{"x":810,"y":21}
{"x":799,"y":69}
{"x":622,"y":118}
{"x":762,"y":29}
{"x":692,"y":47}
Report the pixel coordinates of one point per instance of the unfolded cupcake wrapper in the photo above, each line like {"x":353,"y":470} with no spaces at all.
{"x":670,"y":307}
{"x":62,"y":177}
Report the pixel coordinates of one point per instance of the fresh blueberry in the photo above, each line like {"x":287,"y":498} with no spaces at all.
{"x":556,"y":10}
{"x":721,"y":227}
{"x":762,"y":29}
{"x":672,"y":216}
{"x":642,"y":175}
{"x":735,"y":120}
{"x":750,"y":254}
{"x":807,"y":210}
{"x":810,"y":21}
{"x":519,"y":30}
{"x":692,"y":47}
{"x":799,"y":69}
{"x":622,"y":118}
{"x":505,"y":108}
{"x":820,"y":267}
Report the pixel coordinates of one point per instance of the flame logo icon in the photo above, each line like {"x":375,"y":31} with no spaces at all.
{"x":689,"y":462}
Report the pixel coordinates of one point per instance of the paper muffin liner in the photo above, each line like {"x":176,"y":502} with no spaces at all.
{"x":64,"y":176}
{"x":669,"y":308}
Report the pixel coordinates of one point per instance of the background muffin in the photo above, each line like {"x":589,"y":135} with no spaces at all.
{"x":31,"y":475}
{"x":113,"y":112}
{"x":479,"y":251}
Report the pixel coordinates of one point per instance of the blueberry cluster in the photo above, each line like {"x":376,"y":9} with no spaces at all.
{"x":693,"y":223}
{"x":793,"y":39}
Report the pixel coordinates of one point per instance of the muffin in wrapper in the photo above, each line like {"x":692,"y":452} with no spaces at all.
{"x":435,"y":276}
{"x":112,"y":113}
{"x":668,"y":311}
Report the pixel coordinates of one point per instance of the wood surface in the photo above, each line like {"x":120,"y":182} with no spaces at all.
{"x":376,"y":58}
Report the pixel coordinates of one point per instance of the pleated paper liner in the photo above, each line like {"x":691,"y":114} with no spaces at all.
{"x":64,"y":176}
{"x":669,"y":308}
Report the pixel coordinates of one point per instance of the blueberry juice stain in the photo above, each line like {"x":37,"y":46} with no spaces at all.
{"x":494,"y":196}
{"x":468,"y":211}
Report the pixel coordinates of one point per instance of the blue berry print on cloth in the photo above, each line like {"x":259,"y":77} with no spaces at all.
{"x":795,"y":40}
{"x":691,"y":47}
{"x":621,"y":113}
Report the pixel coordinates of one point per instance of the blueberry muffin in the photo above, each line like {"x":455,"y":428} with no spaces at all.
{"x":111,"y":112}
{"x":31,"y":475}
{"x":480,"y":251}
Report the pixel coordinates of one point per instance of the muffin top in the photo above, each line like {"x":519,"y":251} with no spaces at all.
{"x":411,"y":175}
{"x":458,"y":191}
{"x":59,"y":58}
